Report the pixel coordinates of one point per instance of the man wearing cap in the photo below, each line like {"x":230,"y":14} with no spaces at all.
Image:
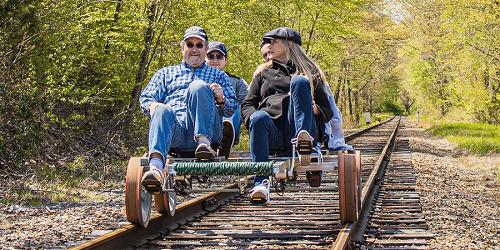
{"x":186,"y":103}
{"x":217,"y":57}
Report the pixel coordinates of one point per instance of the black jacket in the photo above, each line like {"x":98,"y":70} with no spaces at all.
{"x":269,"y":91}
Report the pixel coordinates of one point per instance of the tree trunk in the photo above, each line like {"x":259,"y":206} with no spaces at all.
{"x":356,"y":107}
{"x":337,"y":89}
{"x":116,"y":17}
{"x":311,"y":32}
{"x":141,"y":74}
{"x":349,"y":99}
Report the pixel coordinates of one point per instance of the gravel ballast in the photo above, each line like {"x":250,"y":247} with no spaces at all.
{"x":459,"y":194}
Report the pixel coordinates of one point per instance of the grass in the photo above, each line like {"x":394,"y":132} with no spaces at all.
{"x":477,"y":138}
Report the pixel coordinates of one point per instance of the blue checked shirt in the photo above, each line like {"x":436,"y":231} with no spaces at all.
{"x":170,"y":84}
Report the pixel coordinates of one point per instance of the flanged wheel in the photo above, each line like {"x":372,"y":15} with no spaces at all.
{"x":165,"y":202}
{"x":137,"y":200}
{"x":349,"y":186}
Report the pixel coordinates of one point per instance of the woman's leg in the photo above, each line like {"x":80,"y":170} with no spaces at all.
{"x":300,"y":114}
{"x":263,"y":134}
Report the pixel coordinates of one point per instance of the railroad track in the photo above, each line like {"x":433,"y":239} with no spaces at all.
{"x":297,"y":219}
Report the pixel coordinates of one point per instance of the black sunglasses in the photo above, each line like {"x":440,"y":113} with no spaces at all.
{"x":198,"y":45}
{"x":212,"y":57}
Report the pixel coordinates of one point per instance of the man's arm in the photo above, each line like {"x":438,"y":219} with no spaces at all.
{"x":241,"y":90}
{"x":153,"y":94}
{"x":229,"y":105}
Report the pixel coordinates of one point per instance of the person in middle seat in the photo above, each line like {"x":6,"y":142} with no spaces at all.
{"x":286,"y":103}
{"x":264,"y":50}
{"x":217,"y":57}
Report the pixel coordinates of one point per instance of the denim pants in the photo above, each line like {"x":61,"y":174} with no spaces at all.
{"x":266,"y":133}
{"x":178,"y":131}
{"x":236,"y":120}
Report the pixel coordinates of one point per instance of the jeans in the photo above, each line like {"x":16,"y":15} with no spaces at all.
{"x":167,"y":130}
{"x":266,"y":133}
{"x":236,"y":120}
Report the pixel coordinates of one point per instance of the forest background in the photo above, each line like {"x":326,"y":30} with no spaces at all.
{"x":71,"y":71}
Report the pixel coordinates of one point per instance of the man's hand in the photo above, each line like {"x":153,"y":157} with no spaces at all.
{"x":152,"y":108}
{"x":218,"y":93}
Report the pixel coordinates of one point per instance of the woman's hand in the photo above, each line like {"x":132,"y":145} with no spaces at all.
{"x":315,"y":108}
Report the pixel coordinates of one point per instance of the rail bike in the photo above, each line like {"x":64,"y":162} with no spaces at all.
{"x":182,"y":170}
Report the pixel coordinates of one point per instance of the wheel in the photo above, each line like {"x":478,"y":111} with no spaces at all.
{"x":137,"y":200}
{"x":349,"y":186}
{"x":165,"y":202}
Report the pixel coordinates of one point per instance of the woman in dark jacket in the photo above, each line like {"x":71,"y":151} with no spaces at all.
{"x":286,"y":103}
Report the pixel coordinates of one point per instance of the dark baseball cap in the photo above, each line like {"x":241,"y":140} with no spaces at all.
{"x":283,"y":33}
{"x":195,"y":31}
{"x":216,"y":45}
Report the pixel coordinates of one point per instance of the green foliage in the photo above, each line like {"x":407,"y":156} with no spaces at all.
{"x":68,"y":68}
{"x":475,"y":137}
{"x":451,"y":57}
{"x":390,"y":107}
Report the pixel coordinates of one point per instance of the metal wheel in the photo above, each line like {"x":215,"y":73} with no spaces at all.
{"x":137,"y":200}
{"x":349,"y":186}
{"x":165,"y":202}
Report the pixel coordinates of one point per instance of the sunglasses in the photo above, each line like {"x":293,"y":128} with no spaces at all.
{"x":198,"y":45}
{"x":212,"y":57}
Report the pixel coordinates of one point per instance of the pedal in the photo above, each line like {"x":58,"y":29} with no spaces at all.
{"x":305,"y":159}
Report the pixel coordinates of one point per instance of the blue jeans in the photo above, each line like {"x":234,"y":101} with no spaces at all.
{"x":266,"y":133}
{"x":168,"y":130}
{"x":236,"y":120}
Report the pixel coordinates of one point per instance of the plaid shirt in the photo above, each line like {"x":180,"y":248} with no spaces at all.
{"x":170,"y":84}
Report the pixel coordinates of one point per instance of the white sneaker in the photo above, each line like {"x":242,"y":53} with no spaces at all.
{"x":260,"y":193}
{"x":153,"y":180}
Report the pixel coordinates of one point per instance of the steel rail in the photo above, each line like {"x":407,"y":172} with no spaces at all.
{"x":121,"y":237}
{"x":345,"y":234}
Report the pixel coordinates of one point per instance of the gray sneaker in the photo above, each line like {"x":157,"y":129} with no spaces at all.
{"x":153,"y":180}
{"x":204,"y":152}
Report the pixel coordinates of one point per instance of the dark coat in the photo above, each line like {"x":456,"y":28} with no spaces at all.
{"x":269,"y":91}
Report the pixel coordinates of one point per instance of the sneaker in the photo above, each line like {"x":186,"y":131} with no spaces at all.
{"x":260,"y":193}
{"x":303,"y":144}
{"x":153,"y":180}
{"x":204,"y":152}
{"x":227,"y":139}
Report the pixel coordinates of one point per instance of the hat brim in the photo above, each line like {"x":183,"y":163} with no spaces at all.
{"x":214,"y":49}
{"x":197,"y":36}
{"x":269,"y":38}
